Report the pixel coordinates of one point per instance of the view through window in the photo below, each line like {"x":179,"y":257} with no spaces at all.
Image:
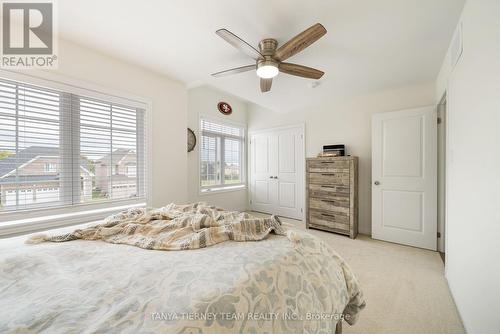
{"x":108,"y":145}
{"x":221,"y":155}
{"x":58,"y":148}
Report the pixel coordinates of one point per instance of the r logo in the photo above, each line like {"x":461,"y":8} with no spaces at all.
{"x":27,"y":28}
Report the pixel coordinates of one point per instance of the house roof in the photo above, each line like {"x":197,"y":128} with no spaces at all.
{"x":8,"y":164}
{"x":115,"y":157}
{"x":29,"y":179}
{"x":14,"y":161}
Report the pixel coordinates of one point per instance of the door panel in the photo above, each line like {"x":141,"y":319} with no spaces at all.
{"x":404,"y":177}
{"x":287,"y":195}
{"x":402,"y":157}
{"x":47,"y":195}
{"x":286,"y":151}
{"x":403,"y":210}
{"x":262,"y":158}
{"x":261,"y":190}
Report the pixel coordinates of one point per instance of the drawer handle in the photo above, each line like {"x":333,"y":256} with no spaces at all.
{"x":327,"y":215}
{"x":330,"y":187}
{"x":328,"y":174}
{"x":327,"y":201}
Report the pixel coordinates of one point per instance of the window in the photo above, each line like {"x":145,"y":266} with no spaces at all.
{"x":131,"y":170}
{"x":58,"y":148}
{"x":108,"y":140}
{"x":221,"y":156}
{"x":50,"y":168}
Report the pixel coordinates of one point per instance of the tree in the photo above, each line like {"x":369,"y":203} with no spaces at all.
{"x":5,"y":154}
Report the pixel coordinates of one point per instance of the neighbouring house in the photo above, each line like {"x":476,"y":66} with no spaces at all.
{"x":116,"y":174}
{"x":32,"y":176}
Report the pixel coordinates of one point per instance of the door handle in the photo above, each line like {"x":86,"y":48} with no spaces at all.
{"x":376,"y":183}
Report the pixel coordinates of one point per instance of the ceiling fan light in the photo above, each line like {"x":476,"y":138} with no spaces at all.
{"x":267,"y":71}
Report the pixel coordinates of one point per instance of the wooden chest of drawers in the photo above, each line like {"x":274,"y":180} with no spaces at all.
{"x":332,"y":194}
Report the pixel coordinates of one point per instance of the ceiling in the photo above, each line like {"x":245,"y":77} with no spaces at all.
{"x":370,"y":45}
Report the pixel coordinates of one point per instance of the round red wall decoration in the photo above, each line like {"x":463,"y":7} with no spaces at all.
{"x":224,"y":108}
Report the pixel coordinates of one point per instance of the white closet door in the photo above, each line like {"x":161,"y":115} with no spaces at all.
{"x":290,"y":171}
{"x":277,"y":172}
{"x":263,"y":161}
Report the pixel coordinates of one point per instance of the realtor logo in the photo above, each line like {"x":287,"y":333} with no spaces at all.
{"x":28,"y":35}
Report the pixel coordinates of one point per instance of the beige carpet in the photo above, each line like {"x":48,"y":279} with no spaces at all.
{"x":404,"y":287}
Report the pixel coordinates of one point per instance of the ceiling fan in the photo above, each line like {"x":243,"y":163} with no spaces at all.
{"x":269,"y":59}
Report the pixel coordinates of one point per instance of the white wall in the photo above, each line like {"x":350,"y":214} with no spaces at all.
{"x":473,"y":223}
{"x":169,"y":114}
{"x":346,"y":122}
{"x":202,"y":101}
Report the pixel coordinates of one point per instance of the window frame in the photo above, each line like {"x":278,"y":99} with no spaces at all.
{"x":50,"y":167}
{"x":206,"y":190}
{"x":30,"y":219}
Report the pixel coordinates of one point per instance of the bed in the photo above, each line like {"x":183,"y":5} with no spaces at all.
{"x":283,"y":284}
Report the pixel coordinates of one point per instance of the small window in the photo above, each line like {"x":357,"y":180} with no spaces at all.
{"x":131,"y":170}
{"x":221,"y":156}
{"x":50,"y":168}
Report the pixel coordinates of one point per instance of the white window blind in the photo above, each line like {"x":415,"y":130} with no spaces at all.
{"x":221,"y":156}
{"x":64,"y":149}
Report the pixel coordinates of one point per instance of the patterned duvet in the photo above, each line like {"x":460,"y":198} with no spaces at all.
{"x":278,"y":285}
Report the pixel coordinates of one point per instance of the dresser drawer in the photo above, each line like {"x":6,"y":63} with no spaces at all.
{"x":328,"y":191}
{"x":336,"y":206}
{"x":334,"y":166}
{"x":329,"y":178}
{"x":328,"y":219}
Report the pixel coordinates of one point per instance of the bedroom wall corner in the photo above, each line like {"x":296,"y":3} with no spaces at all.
{"x":346,"y":121}
{"x":202,"y":101}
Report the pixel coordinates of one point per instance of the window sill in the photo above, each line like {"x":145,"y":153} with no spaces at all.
{"x":212,"y":191}
{"x":50,"y":220}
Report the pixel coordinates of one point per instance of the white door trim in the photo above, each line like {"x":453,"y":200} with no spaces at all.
{"x":448,"y":156}
{"x":442,"y":207}
{"x":302,"y":159}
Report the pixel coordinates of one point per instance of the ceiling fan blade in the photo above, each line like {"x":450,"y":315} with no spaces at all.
{"x":300,"y":42}
{"x":234,"y":71}
{"x":265,"y":85}
{"x":300,"y":71}
{"x":239,"y":44}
